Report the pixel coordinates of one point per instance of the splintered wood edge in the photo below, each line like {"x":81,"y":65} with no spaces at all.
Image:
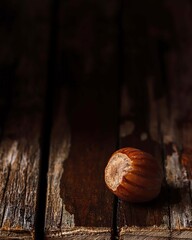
{"x":128,"y":232}
{"x":21,"y":235}
{"x":148,"y":231}
{"x":182,"y":234}
{"x":55,"y":206}
{"x":80,"y":233}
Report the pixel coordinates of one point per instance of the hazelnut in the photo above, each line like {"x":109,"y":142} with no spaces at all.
{"x":133,"y":175}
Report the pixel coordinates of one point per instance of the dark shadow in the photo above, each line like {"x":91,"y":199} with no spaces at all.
{"x":7,"y":83}
{"x":47,"y":123}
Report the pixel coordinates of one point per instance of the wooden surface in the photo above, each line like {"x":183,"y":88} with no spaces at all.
{"x":177,"y":133}
{"x":79,"y":79}
{"x":19,"y":151}
{"x":24,"y":45}
{"x":157,"y":121}
{"x":81,"y":206}
{"x":85,"y":124}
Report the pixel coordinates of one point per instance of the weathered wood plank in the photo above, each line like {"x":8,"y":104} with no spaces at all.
{"x":141,"y":91}
{"x":19,"y":151}
{"x":146,"y":220}
{"x":79,"y":206}
{"x":168,"y":111}
{"x":23,"y":64}
{"x":14,"y":236}
{"x":177,"y":131}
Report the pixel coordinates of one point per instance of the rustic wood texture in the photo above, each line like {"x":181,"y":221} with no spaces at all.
{"x":139,"y":116}
{"x":146,"y":220}
{"x":78,"y":203}
{"x":23,"y":67}
{"x":158,"y":112}
{"x":84,"y":135}
{"x":177,"y":131}
{"x":144,"y":46}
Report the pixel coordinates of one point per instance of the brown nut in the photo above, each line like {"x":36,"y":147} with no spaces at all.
{"x":133,"y":175}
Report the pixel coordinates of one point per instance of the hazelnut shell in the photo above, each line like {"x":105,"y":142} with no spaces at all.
{"x":133,"y":175}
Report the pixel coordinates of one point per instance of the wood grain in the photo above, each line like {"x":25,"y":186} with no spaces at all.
{"x":160,"y":112}
{"x":156,"y":94}
{"x":177,"y":133}
{"x":19,"y":152}
{"x":139,"y":127}
{"x":79,"y":206}
{"x":23,"y":66}
{"x":141,"y":91}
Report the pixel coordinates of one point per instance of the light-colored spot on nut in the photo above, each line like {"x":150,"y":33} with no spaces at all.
{"x":144,"y":136}
{"x":126,"y":128}
{"x":117,"y":167}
